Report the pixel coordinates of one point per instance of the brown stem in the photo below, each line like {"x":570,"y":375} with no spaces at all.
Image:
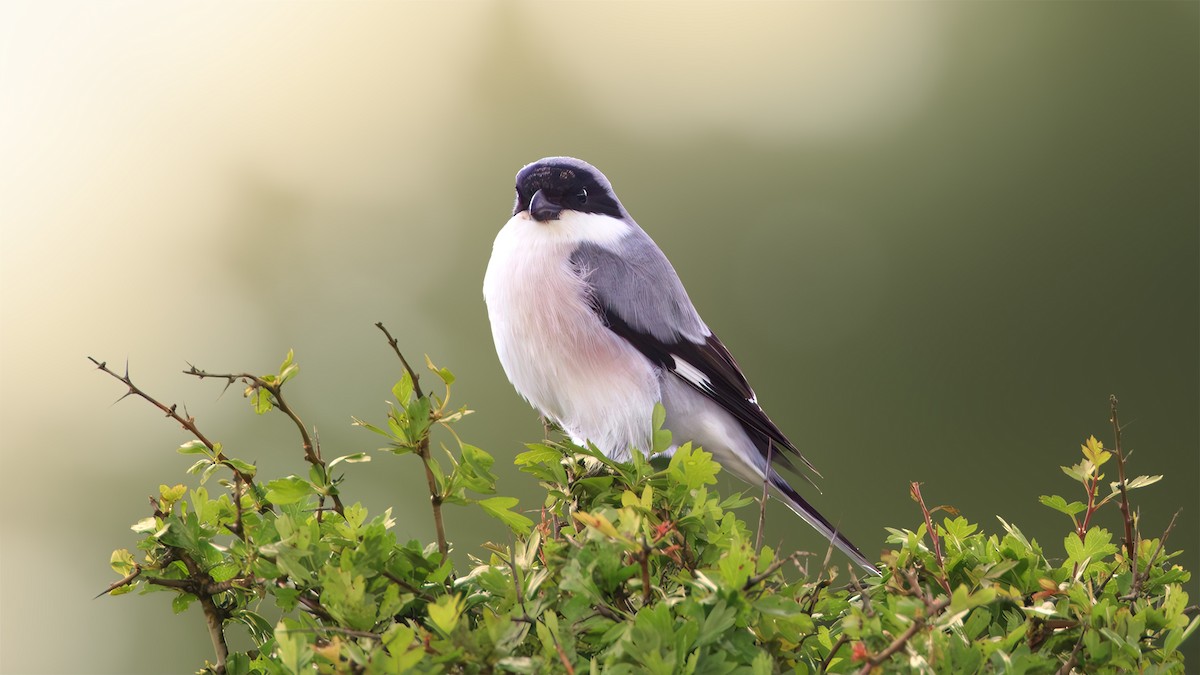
{"x":1074,"y":658}
{"x":842,"y":640}
{"x":128,"y":579}
{"x":422,"y":449}
{"x":644,"y":560}
{"x":1130,"y":543}
{"x":213,"y":615}
{"x":435,"y":498}
{"x":396,"y":348}
{"x":759,"y":578}
{"x":932,"y":610}
{"x":338,"y":630}
{"x":915,"y":489}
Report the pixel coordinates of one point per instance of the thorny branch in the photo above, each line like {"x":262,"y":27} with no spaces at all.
{"x":1139,"y":578}
{"x":396,"y":348}
{"x":422,"y":449}
{"x":312,"y":448}
{"x":188,"y":422}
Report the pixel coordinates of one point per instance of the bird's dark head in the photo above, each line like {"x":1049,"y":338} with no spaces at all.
{"x":552,"y":185}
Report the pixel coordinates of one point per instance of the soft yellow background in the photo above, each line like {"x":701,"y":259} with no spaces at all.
{"x":937,"y":236}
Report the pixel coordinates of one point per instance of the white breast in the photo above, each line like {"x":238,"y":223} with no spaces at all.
{"x":551,"y":343}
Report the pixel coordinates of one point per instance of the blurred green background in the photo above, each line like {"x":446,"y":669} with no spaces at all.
{"x":937,"y":236}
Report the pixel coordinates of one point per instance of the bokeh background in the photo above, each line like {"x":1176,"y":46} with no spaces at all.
{"x":937,"y":236}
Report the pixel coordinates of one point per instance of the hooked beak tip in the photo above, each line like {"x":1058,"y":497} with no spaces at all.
{"x":542,"y":209}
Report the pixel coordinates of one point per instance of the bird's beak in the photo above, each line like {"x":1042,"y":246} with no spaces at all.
{"x":542,"y":209}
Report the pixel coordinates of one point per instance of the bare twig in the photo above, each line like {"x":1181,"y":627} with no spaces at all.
{"x":842,"y":640}
{"x":915,"y":489}
{"x":238,"y":489}
{"x":932,"y":610}
{"x":407,"y":586}
{"x":315,"y":607}
{"x":422,"y":449}
{"x":1139,"y":578}
{"x":762,"y":505}
{"x":336,"y":629}
{"x":396,"y":348}
{"x":759,"y":578}
{"x":562,"y":656}
{"x":644,"y":561}
{"x":1073,"y":660}
{"x":129,"y":579}
{"x":1130,"y":542}
{"x":312,"y":448}
{"x":187,"y":422}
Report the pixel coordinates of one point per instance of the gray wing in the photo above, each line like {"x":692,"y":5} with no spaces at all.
{"x":638,"y":296}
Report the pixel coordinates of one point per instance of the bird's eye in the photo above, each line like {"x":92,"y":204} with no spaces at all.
{"x":582,"y":196}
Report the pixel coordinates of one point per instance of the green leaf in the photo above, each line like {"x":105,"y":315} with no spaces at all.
{"x":293,"y":651}
{"x":244,"y":467}
{"x":716,"y":624}
{"x":354,"y":421}
{"x":195,"y":447}
{"x":288,"y":490}
{"x":260,"y":630}
{"x":693,"y":466}
{"x":1139,"y":482}
{"x":659,"y":416}
{"x":958,"y":528}
{"x":1095,"y":546}
{"x":1059,"y":504}
{"x":260,"y":399}
{"x":145,"y":525}
{"x":288,"y":369}
{"x":445,"y":375}
{"x":122,"y":561}
{"x":356,"y":458}
{"x":181,"y":601}
{"x":538,"y":454}
{"x":417,"y":412}
{"x":1094,"y":451}
{"x":403,"y":389}
{"x":199,"y":464}
{"x":499,"y":507}
{"x":737,"y":563}
{"x":172,"y":494}
{"x":445,"y":613}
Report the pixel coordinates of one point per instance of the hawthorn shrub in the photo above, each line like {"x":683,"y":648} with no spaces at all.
{"x":634,"y":567}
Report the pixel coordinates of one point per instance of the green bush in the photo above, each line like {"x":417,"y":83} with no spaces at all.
{"x":633,"y":567}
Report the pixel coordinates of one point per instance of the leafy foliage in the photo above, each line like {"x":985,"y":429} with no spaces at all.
{"x":635,"y":567}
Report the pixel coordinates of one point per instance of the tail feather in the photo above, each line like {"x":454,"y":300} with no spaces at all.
{"x":810,"y":515}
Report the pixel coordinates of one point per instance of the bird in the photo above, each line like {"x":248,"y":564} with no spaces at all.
{"x":593,"y":327}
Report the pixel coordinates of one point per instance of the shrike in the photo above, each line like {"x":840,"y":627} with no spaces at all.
{"x":593,"y":327}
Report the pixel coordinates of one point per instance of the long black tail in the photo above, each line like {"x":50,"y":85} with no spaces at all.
{"x":810,"y":515}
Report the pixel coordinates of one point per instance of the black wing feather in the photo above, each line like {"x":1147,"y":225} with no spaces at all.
{"x":726,"y":385}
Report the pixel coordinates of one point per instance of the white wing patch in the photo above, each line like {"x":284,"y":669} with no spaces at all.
{"x":691,"y":373}
{"x":698,"y":379}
